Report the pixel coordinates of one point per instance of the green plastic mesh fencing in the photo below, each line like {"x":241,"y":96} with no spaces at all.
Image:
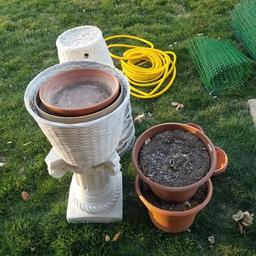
{"x":221,"y":66}
{"x":243,"y":21}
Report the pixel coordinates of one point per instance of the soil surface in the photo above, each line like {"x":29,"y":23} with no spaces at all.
{"x":197,"y":199}
{"x":82,"y":95}
{"x":174,"y":158}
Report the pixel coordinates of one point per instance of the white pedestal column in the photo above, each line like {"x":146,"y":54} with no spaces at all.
{"x":88,"y":204}
{"x":95,"y":194}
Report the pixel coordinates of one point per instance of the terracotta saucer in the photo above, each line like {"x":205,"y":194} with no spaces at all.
{"x":79,"y":92}
{"x":44,"y":113}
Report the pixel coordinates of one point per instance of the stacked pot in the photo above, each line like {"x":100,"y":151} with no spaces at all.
{"x":86,"y":140}
{"x":169,"y":220}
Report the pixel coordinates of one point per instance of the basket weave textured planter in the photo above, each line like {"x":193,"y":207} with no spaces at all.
{"x":83,"y":144}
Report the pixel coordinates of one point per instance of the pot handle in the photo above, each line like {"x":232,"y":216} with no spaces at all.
{"x":199,"y":128}
{"x":222,"y":161}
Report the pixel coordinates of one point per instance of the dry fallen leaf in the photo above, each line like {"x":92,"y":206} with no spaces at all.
{"x":247,"y":219}
{"x":238,"y":216}
{"x":174,"y":104}
{"x":180,"y":106}
{"x":243,"y":219}
{"x":211,"y":240}
{"x":107,"y":238}
{"x":139,"y":118}
{"x":241,"y":228}
{"x":116,"y":236}
{"x":25,"y":196}
{"x":177,"y":105}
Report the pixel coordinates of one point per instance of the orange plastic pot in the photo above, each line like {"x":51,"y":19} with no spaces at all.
{"x":222,"y":161}
{"x":174,"y":194}
{"x":222,"y":158}
{"x":172,"y":221}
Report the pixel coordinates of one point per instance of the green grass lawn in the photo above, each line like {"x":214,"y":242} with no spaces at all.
{"x":28,"y":30}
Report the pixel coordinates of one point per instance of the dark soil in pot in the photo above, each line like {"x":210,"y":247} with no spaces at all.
{"x":196,"y":200}
{"x":174,"y":158}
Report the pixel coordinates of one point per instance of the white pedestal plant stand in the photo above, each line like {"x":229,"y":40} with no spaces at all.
{"x":87,"y":149}
{"x":87,"y":43}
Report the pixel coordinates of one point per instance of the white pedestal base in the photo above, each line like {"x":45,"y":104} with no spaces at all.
{"x":112,"y":214}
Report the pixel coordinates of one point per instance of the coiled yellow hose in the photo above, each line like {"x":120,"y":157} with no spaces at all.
{"x":162,"y":66}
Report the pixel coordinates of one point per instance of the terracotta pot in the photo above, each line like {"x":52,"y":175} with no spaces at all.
{"x":65,"y":80}
{"x":222,"y":161}
{"x":173,"y":194}
{"x":172,"y":221}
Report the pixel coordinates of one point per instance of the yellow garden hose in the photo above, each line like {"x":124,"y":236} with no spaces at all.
{"x":160,"y":66}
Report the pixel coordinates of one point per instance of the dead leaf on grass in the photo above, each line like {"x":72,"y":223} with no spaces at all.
{"x":25,"y":196}
{"x":180,"y":106}
{"x":116,"y":236}
{"x":243,"y":219}
{"x":107,"y":238}
{"x":177,"y":105}
{"x":139,"y":118}
{"x":211,"y":240}
{"x":174,"y":104}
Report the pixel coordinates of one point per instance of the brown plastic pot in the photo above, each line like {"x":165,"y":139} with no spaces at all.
{"x":63,"y":81}
{"x":172,"y":221}
{"x":173,"y":194}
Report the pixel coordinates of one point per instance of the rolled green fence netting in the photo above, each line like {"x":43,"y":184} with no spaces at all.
{"x":243,"y":21}
{"x":221,"y":66}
